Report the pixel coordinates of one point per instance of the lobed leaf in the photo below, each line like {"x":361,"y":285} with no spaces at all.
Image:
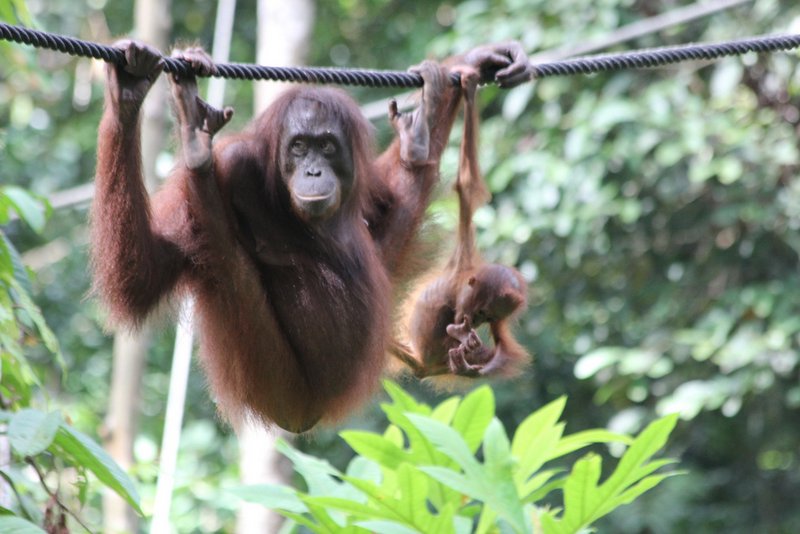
{"x":326,"y":522}
{"x":364,"y":468}
{"x":375,"y":447}
{"x":403,"y":400}
{"x":539,"y":485}
{"x":447,"y":522}
{"x":445,"y":411}
{"x":318,"y":474}
{"x":455,"y":480}
{"x":413,"y":495}
{"x":351,"y":507}
{"x":498,"y":464}
{"x":473,"y":416}
{"x":386,"y":527}
{"x":585,"y":501}
{"x":273,"y":496}
{"x":579,"y":440}
{"x":497,"y":450}
{"x":421,"y":451}
{"x":630,"y":468}
{"x":536,"y":439}
{"x":581,"y":498}
{"x":642,"y":486}
{"x":447,"y":441}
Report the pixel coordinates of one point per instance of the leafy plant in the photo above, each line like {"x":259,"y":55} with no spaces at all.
{"x":37,"y":438}
{"x":453,"y":469}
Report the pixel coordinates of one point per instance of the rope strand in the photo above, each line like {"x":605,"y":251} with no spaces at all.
{"x":656,"y":57}
{"x":382,"y":78}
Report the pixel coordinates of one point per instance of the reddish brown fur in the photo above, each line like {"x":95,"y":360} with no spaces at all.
{"x":293,"y":283}
{"x":293,"y":319}
{"x":468,"y":292}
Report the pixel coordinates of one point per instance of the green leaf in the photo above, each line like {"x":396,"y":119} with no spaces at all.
{"x":642,"y":486}
{"x":408,"y":508}
{"x":386,"y":527}
{"x":48,"y":338}
{"x":403,"y":400}
{"x":29,"y":209}
{"x":585,"y":501}
{"x":550,"y":523}
{"x":354,"y":508}
{"x":6,"y":262}
{"x":394,"y":435}
{"x":318,"y":474}
{"x":375,"y":447}
{"x":5,"y":208}
{"x":447,"y":441}
{"x":419,"y":447}
{"x":581,"y":498}
{"x":445,"y":411}
{"x":455,"y":480}
{"x":536,"y":438}
{"x":497,"y":465}
{"x":491,"y":483}
{"x":31,"y":432}
{"x":542,"y":484}
{"x":421,"y":451}
{"x":579,"y":440}
{"x":447,"y":522}
{"x":15,"y":11}
{"x":326,"y":522}
{"x":303,"y":521}
{"x":89,"y":455}
{"x":18,"y":267}
{"x":413,"y":486}
{"x":473,"y":416}
{"x":497,"y":449}
{"x":646,"y":444}
{"x":487,"y":521}
{"x":273,"y":496}
{"x":18,"y":376}
{"x":364,"y":468}
{"x":17,"y":525}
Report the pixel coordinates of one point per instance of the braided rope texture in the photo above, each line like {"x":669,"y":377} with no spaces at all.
{"x":382,"y":78}
{"x":662,"y":56}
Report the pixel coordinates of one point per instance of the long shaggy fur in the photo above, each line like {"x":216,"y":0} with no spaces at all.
{"x":294,"y":318}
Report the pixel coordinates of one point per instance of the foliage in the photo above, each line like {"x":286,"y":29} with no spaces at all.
{"x":655,"y":214}
{"x":21,"y":319}
{"x":35,"y":437}
{"x":454,"y":469}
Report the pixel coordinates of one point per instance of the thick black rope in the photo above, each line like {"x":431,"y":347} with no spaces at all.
{"x":656,"y":57}
{"x":381,"y":78}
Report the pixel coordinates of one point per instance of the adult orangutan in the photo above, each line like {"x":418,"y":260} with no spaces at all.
{"x":289,"y":235}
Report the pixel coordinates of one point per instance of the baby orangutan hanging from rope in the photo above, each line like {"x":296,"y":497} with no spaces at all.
{"x":290,"y":235}
{"x":445,"y":311}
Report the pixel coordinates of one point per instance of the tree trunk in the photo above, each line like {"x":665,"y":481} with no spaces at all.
{"x":284,"y":30}
{"x":152,"y":24}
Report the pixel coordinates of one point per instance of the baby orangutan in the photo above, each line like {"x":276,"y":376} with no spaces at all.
{"x":469,"y":292}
